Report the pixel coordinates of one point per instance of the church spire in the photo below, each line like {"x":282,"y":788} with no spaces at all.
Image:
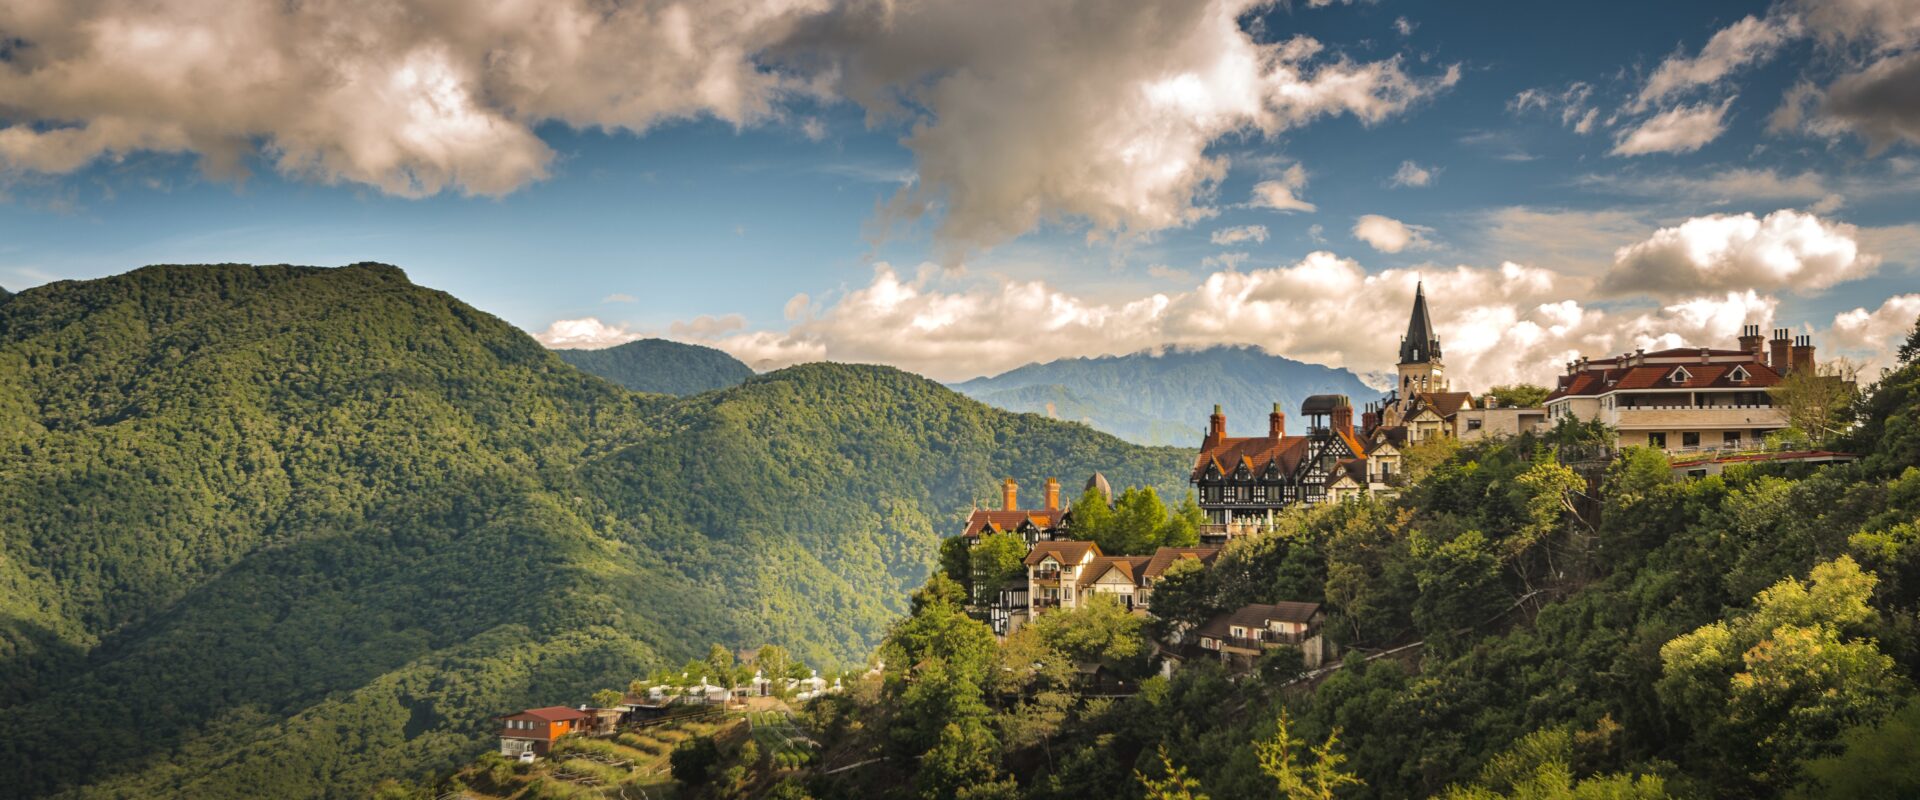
{"x":1419,"y":346}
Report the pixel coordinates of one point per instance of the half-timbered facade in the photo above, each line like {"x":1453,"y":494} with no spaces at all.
{"x":1242,"y":482}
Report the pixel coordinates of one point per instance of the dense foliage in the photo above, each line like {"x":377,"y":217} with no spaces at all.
{"x":283,"y":531}
{"x":1512,"y":626}
{"x":1164,"y":398}
{"x":661,"y":366}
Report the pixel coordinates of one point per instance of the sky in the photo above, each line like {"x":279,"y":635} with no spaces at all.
{"x":961,"y":187}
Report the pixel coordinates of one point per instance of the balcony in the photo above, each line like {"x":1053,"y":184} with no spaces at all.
{"x":1046,"y":602}
{"x":1697,"y":417}
{"x":1269,"y":639}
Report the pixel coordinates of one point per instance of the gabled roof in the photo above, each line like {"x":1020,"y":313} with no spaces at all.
{"x":1258,"y":615}
{"x":1256,"y":452}
{"x":1128,"y":566}
{"x":1395,"y":435}
{"x":1168,"y":556}
{"x":1063,"y":551}
{"x":1446,"y":404}
{"x":1593,"y":383}
{"x":983,"y":520}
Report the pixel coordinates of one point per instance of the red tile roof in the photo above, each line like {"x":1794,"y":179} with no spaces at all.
{"x":1593,"y":383}
{"x":1255,"y":452}
{"x":983,"y":520}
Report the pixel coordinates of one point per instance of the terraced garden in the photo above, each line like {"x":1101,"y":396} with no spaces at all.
{"x":632,"y":764}
{"x":781,"y":739}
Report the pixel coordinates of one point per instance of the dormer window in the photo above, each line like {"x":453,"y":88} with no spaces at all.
{"x":1739,"y":375}
{"x":1680,"y":375}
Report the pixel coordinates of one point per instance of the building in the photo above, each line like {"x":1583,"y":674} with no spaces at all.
{"x":1242,"y":635}
{"x":1064,"y":574}
{"x":536,"y":729}
{"x":1686,"y":399}
{"x":1488,"y":419}
{"x":1243,"y":481}
{"x":1034,"y":525}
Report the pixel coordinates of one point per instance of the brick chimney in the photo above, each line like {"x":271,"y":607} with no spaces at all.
{"x":1276,"y":423}
{"x":1053,"y":494}
{"x":1752,"y":342}
{"x":1216,"y":427}
{"x":1780,"y":346}
{"x":1802,"y":356}
{"x":1009,"y":495}
{"x":1369,"y":419}
{"x":1342,"y":419}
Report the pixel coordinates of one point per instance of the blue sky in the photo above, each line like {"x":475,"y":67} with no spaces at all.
{"x":777,"y":226}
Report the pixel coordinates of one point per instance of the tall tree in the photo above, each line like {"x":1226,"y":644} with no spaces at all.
{"x":1820,"y":402}
{"x":994,"y":560}
{"x":1312,"y":775}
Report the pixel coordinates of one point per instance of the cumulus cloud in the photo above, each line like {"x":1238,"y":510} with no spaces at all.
{"x":1389,"y":235}
{"x":1784,"y":250}
{"x":585,"y":334}
{"x":1752,"y":40}
{"x":1411,"y":174}
{"x":1499,"y":324}
{"x":1240,"y":233}
{"x":1018,"y":113}
{"x":1282,"y":193}
{"x":1683,"y":129}
{"x":1875,"y":336}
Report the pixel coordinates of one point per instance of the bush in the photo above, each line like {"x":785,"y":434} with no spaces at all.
{"x":693,"y":761}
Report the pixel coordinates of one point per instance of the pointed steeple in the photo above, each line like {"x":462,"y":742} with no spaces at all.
{"x":1419,"y":346}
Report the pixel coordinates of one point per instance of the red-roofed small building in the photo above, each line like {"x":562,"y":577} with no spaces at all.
{"x":536,"y":729}
{"x":1686,"y":400}
{"x":1033,"y":524}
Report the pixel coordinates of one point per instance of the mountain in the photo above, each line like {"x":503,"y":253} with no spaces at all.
{"x":661,"y":366}
{"x":283,"y":531}
{"x":1164,"y":398}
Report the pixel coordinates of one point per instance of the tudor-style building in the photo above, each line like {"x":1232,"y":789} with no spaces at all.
{"x":1033,"y":524}
{"x":1242,"y":481}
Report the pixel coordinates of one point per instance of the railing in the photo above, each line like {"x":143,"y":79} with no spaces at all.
{"x":1046,"y":603}
{"x":1270,"y":639}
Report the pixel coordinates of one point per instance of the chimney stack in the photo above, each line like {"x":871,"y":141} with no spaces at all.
{"x":1216,"y":426}
{"x":1053,"y":494}
{"x":1779,"y":347}
{"x":1276,"y":423}
{"x":1803,"y":354}
{"x":1009,"y":495}
{"x":1342,"y":419}
{"x":1752,"y":342}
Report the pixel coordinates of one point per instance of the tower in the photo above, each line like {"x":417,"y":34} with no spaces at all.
{"x":1420,"y":367}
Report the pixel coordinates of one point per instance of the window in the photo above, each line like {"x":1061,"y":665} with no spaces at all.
{"x":1730,"y":439}
{"x":1690,"y":439}
{"x":1473,"y":424}
{"x":1657,"y":439}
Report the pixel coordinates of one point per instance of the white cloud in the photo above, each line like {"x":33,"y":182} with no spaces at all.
{"x":1282,"y":193}
{"x":1785,"y":250}
{"x":585,"y":334}
{"x":1571,"y":105}
{"x":1752,"y":40}
{"x":1404,"y":27}
{"x":1166,"y":273}
{"x":619,"y":298}
{"x":1681,"y":130}
{"x":1240,"y":233}
{"x":1579,"y":242}
{"x":1498,"y":324}
{"x":1875,"y":336}
{"x":1411,"y":174}
{"x":1389,"y":235}
{"x":1019,"y":113}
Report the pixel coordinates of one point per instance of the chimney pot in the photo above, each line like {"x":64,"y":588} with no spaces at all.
{"x":1276,"y":423}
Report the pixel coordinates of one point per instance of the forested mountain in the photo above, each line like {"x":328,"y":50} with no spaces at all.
{"x":1164,"y":398}
{"x":661,"y":366}
{"x":281,"y":531}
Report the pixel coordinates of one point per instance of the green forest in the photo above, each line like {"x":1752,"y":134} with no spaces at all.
{"x":286,"y":531}
{"x":1512,"y":627}
{"x":661,"y":366}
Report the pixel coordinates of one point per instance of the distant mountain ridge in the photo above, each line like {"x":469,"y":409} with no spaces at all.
{"x":1164,"y":398}
{"x":661,"y":366}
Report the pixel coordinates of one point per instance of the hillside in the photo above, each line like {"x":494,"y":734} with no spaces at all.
{"x":284,"y":530}
{"x":1164,"y":398}
{"x":661,"y":366}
